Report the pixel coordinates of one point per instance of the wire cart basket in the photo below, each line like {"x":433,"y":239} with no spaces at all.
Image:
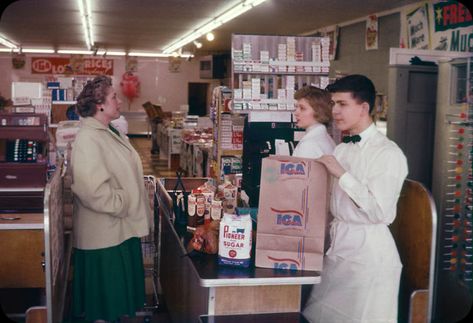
{"x":150,"y":246}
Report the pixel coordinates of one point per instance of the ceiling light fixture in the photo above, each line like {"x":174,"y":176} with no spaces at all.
{"x":210,"y":25}
{"x":38,"y":50}
{"x":115,"y":53}
{"x":141,"y":54}
{"x":7,"y":43}
{"x":210,"y":36}
{"x":197,"y":44}
{"x":86,"y":16}
{"x":75,"y":51}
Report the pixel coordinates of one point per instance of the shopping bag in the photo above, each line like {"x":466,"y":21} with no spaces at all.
{"x":293,"y":206}
{"x":179,"y":197}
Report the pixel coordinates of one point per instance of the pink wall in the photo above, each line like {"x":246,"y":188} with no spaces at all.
{"x":158,"y":85}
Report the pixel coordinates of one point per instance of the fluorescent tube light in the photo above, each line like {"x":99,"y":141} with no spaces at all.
{"x":210,"y":25}
{"x":86,"y":17}
{"x":38,"y":50}
{"x":7,"y":43}
{"x":115,"y":53}
{"x":141,"y":54}
{"x":75,"y":51}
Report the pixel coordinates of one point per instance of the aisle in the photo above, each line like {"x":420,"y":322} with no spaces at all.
{"x":152,"y":164}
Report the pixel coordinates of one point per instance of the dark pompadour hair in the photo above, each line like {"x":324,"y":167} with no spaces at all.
{"x":361,"y":88}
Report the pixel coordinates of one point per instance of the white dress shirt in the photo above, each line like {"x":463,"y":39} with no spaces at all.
{"x":360,"y":279}
{"x":315,"y":143}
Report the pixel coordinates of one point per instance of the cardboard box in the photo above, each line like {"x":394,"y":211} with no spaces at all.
{"x":292,"y":213}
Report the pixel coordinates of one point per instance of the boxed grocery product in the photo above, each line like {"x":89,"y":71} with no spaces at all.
{"x":293,"y":205}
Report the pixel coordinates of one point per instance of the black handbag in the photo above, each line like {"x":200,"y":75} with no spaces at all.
{"x":179,"y":197}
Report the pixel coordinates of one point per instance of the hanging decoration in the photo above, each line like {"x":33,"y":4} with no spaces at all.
{"x":174,"y":64}
{"x":131,"y":65}
{"x":18,"y":60}
{"x":371,"y":33}
{"x":130,"y":86}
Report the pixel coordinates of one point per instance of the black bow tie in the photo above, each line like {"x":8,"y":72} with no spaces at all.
{"x":352,"y":139}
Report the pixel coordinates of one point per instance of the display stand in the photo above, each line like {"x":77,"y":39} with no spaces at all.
{"x":452,"y":184}
{"x":267,"y":70}
{"x":228,"y":131}
{"x":169,"y":142}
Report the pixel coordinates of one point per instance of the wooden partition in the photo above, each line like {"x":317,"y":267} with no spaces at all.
{"x":414,"y":231}
{"x":58,"y":240}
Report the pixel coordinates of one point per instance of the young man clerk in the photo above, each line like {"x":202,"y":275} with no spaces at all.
{"x":360,"y":279}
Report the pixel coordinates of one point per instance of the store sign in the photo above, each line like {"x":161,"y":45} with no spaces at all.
{"x":453,"y":24}
{"x":451,"y":15}
{"x":437,"y":25}
{"x":76,"y":66}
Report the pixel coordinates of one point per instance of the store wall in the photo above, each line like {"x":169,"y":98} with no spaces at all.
{"x":353,"y":58}
{"x":157,"y":83}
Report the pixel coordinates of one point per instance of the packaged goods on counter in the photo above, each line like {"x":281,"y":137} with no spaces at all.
{"x":205,"y":238}
{"x":191,"y":212}
{"x":216,"y":209}
{"x":199,"y":209}
{"x":229,"y":193}
{"x":234,"y":246}
{"x":291,"y":214}
{"x":208,"y":192}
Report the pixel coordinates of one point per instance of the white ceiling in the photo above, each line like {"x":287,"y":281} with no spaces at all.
{"x":149,"y":25}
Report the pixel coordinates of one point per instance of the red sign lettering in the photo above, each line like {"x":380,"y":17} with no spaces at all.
{"x":74,"y":66}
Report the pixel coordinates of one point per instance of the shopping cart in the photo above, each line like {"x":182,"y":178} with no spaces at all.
{"x":150,"y":245}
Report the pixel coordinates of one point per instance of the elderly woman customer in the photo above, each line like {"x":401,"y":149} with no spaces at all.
{"x":111,"y":211}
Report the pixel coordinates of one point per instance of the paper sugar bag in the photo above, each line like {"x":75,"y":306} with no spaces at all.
{"x":292,"y":212}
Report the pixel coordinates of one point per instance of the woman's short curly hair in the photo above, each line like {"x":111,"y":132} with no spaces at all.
{"x":93,"y":93}
{"x":319,"y":100}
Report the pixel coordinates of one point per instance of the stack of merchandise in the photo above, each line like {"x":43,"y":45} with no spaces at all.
{"x":206,"y":203}
{"x":177,"y":119}
{"x":325,"y":53}
{"x":316,"y":55}
{"x":291,"y":53}
{"x":264,"y":59}
{"x":290,"y":89}
{"x":282,"y":57}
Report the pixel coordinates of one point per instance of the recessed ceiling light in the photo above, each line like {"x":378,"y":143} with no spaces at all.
{"x":210,"y":36}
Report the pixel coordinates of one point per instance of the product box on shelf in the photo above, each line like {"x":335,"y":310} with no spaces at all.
{"x":293,"y":205}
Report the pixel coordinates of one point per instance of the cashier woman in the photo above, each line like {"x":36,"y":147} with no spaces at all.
{"x":313,"y":113}
{"x":111,"y":211}
{"x":362,"y":268}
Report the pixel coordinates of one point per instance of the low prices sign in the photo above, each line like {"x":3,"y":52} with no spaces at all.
{"x":76,"y":66}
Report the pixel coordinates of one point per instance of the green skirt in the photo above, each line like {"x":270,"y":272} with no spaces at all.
{"x":109,"y":282}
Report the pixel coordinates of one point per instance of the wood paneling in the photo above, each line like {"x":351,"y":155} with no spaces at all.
{"x":257,"y":299}
{"x":21,"y":258}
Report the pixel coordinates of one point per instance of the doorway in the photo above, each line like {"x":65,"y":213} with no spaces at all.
{"x":197,"y":98}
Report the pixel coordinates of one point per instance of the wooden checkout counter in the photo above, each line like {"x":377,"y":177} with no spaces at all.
{"x":21,"y":231}
{"x":194,"y":284}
